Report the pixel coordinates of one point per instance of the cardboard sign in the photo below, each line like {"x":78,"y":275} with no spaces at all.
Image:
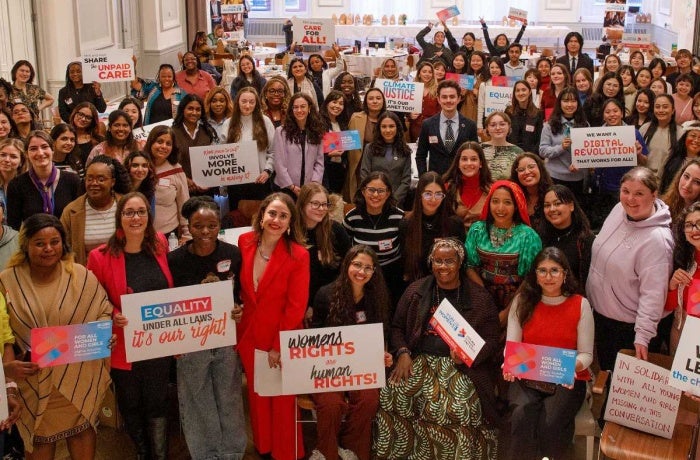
{"x":313,"y":31}
{"x":465,"y":81}
{"x":74,"y":343}
{"x":178,"y":320}
{"x":108,"y":65}
{"x":143,"y":132}
{"x":497,"y":99}
{"x":401,"y":96}
{"x":641,"y":398}
{"x":614,"y":6}
{"x":447,"y":13}
{"x":517,"y":14}
{"x":603,"y":147}
{"x":685,"y":372}
{"x":267,"y":381}
{"x":541,"y":363}
{"x":225,"y":164}
{"x":636,"y":40}
{"x":232,"y":9}
{"x":341,"y":140}
{"x":332,"y":359}
{"x":4,"y":410}
{"x":456,"y":332}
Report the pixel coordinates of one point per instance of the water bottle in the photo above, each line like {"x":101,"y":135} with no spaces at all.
{"x":391,"y":44}
{"x":172,"y":241}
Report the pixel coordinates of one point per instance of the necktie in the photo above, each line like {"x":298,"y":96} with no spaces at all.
{"x":449,"y":136}
{"x":573,"y":64}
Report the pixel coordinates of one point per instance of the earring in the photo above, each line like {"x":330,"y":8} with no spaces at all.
{"x":289,"y":231}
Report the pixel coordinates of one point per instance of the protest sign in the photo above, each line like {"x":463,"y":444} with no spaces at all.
{"x":267,"y":381}
{"x":447,"y":13}
{"x":497,"y":99}
{"x":108,"y":65}
{"x":141,"y":134}
{"x":225,"y":164}
{"x":232,"y":9}
{"x":178,"y":320}
{"x":73,"y":343}
{"x":541,"y":363}
{"x":4,"y":410}
{"x":517,"y":14}
{"x":456,"y":332}
{"x":332,"y":359}
{"x":313,"y":31}
{"x":636,"y":40}
{"x":685,"y":372}
{"x":603,"y":147}
{"x":401,"y":96}
{"x":341,"y":140}
{"x":641,"y":398}
{"x":465,"y":81}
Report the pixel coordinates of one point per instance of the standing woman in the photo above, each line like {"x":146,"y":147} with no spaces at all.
{"x":249,"y":124}
{"x":662,"y":133}
{"x":688,"y":149}
{"x":430,"y":218}
{"x":275,"y":99}
{"x":219,"y":107}
{"x":12,"y":163}
{"x":637,"y":60}
{"x":300,"y":82}
{"x":88,"y":129}
{"x":275,"y":265}
{"x":25,"y":120}
{"x":298,"y":146}
{"x":335,"y":119}
{"x":468,"y":182}
{"x":499,"y":46}
{"x":76,"y":91}
{"x":544,"y":66}
{"x":135,"y":260}
{"x":683,"y":99}
{"x":532,"y":77}
{"x":43,"y":188}
{"x":644,"y":78}
{"x":142,"y":173}
{"x":530,"y":174}
{"x":43,"y":288}
{"x":119,"y":140}
{"x":559,"y":79}
{"x":323,"y":75}
{"x":425,"y":74}
{"x":609,"y":86}
{"x":684,"y":190}
{"x":389,"y":153}
{"x":500,"y":154}
{"x":478,"y":68}
{"x":658,"y":86}
{"x":459,"y":63}
{"x":23,"y":89}
{"x":495,"y":68}
{"x":642,"y":109}
{"x":549,"y":311}
{"x":612,"y":63}
{"x":209,"y":381}
{"x":526,"y":119}
{"x":248,"y":75}
{"x":346,"y":83}
{"x":629,"y":86}
{"x":162,"y":95}
{"x":584,"y":84}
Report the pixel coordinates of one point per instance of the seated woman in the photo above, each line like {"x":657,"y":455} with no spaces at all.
{"x":548,"y":311}
{"x":435,"y":406}
{"x":321,"y":73}
{"x":76,"y":91}
{"x":89,"y":131}
{"x":357,"y":296}
{"x":119,"y":141}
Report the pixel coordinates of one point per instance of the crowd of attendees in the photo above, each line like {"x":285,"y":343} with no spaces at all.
{"x":525,"y":245}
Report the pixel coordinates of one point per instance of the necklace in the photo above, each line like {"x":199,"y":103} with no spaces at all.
{"x":499,"y":236}
{"x":444,"y":295}
{"x":265,"y":258}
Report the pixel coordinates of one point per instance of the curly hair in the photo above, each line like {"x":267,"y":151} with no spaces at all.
{"x":236,"y":125}
{"x":122,"y":180}
{"x":683,"y":251}
{"x":313,"y":128}
{"x":228,"y":111}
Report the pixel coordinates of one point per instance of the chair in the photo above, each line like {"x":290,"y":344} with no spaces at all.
{"x":223,"y":55}
{"x":585,"y":424}
{"x":303,"y":402}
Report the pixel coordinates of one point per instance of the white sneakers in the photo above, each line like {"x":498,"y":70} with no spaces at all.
{"x":344,"y":454}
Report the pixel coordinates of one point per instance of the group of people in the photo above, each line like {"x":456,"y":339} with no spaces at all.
{"x":499,"y":224}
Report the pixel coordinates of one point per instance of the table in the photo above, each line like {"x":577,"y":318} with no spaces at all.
{"x":362,"y":63}
{"x":530,"y":59}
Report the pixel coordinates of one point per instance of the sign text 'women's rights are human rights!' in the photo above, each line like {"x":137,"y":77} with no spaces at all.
{"x":178,"y":320}
{"x":225,"y":164}
{"x":604,"y":147}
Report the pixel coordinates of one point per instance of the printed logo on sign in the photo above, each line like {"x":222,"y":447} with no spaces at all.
{"x":178,"y":308}
{"x":462,"y":333}
{"x":452,"y":322}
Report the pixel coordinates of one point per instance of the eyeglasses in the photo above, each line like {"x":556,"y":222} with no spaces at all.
{"x":278,"y":92}
{"x":444,"y":262}
{"x":375,"y":191}
{"x":319,"y":205}
{"x":83,"y":116}
{"x":691,"y":226}
{"x":99,"y":179}
{"x":130,"y":213}
{"x":553,"y":272}
{"x":362,"y":268}
{"x":431,"y":195}
{"x":529,"y":167}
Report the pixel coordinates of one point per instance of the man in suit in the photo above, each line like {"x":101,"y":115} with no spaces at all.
{"x":442,"y":134}
{"x":574,"y":58}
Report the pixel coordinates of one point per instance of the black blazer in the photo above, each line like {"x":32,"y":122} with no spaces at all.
{"x":583,"y":60}
{"x":440,"y":158}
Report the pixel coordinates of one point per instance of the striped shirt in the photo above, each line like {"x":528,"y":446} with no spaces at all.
{"x":99,"y":225}
{"x":380,"y":232}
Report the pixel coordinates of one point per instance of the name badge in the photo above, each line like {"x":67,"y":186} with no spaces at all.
{"x":433,"y":139}
{"x":360,"y":316}
{"x":164,"y":182}
{"x":223,"y":266}
{"x":384,"y":245}
{"x":530,"y":128}
{"x":69,"y":101}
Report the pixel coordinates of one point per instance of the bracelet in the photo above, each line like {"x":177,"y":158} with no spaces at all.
{"x":11,"y":385}
{"x":402,"y":351}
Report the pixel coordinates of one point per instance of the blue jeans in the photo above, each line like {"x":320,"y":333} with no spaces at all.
{"x":211,"y":404}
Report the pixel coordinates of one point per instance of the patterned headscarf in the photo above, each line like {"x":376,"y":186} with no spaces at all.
{"x":520,"y":201}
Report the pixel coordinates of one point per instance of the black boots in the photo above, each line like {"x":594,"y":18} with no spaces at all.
{"x":158,"y":436}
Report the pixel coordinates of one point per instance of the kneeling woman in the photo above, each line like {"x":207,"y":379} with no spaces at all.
{"x":458,"y":414}
{"x":357,"y":296}
{"x":546,"y":311}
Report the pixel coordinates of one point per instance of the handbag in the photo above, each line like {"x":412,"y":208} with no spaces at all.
{"x":543,"y":387}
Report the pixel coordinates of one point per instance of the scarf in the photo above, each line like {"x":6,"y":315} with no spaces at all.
{"x":470,"y":192}
{"x":45,"y":189}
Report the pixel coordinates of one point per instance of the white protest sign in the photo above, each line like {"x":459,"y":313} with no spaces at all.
{"x":497,"y":99}
{"x":517,"y":14}
{"x":636,"y":40}
{"x":313,"y":31}
{"x":685,"y":372}
{"x":108,"y":65}
{"x":327,"y":359}
{"x":232,"y":9}
{"x":641,"y":398}
{"x":178,"y":320}
{"x":225,"y":164}
{"x":603,"y":147}
{"x":267,"y":381}
{"x":143,"y":132}
{"x":401,"y":96}
{"x":4,"y":409}
{"x":456,"y":332}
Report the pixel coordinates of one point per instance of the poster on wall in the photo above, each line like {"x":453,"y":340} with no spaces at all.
{"x":231,"y":14}
{"x":615,"y":13}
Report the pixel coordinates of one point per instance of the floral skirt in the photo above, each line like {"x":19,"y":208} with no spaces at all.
{"x":435,"y":414}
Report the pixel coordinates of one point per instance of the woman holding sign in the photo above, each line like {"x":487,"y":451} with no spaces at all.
{"x":76,"y":91}
{"x":44,"y":288}
{"x":547,"y":311}
{"x":135,"y":260}
{"x":425,"y":74}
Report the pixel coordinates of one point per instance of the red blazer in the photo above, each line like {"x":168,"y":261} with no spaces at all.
{"x":282,"y":296}
{"x":111,"y":273}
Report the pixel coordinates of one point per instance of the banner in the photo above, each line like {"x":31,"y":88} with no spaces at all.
{"x":313,"y":31}
{"x":332,"y":359}
{"x":341,"y":140}
{"x":517,"y":14}
{"x":232,"y":9}
{"x":465,"y":81}
{"x":401,"y":96}
{"x":74,"y":343}
{"x":178,"y":320}
{"x":447,"y":13}
{"x":456,"y":332}
{"x":636,"y":40}
{"x":614,"y":16}
{"x":603,"y":147}
{"x":143,"y":132}
{"x":685,"y":372}
{"x":225,"y":164}
{"x":497,"y":99}
{"x":641,"y":398}
{"x":541,"y":363}
{"x":108,"y":65}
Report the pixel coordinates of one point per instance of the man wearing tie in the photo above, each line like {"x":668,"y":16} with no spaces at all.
{"x":574,"y":58}
{"x":442,"y":134}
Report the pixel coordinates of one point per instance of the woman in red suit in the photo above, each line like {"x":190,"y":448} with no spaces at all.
{"x":274,"y":280}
